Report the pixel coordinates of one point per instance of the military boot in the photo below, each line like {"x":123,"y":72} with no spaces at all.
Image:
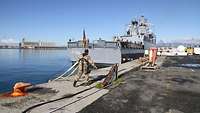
{"x":74,"y":84}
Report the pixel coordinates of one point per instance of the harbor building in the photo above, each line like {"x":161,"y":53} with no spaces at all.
{"x":9,"y":45}
{"x":38,"y":44}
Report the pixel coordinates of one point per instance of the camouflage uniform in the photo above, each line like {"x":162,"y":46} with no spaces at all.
{"x":83,"y":67}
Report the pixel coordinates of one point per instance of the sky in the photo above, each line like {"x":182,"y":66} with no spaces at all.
{"x":59,"y":20}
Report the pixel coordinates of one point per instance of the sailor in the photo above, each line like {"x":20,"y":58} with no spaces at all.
{"x":84,"y":62}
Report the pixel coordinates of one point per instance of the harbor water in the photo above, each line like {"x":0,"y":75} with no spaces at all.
{"x":29,"y":65}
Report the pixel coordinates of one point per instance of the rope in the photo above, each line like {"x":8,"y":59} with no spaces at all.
{"x":62,"y":70}
{"x":70,"y":69}
{"x":79,"y":99}
{"x":69,"y":96}
{"x":40,"y":104}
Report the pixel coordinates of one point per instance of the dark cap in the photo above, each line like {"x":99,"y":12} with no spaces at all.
{"x":86,"y":51}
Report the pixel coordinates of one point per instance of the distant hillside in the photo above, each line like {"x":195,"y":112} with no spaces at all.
{"x":186,"y":42}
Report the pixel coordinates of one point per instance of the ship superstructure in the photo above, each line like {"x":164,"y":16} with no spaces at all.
{"x":139,"y":30}
{"x":130,"y":46}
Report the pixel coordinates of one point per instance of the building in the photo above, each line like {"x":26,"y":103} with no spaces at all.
{"x":9,"y":45}
{"x":39,"y":44}
{"x":46,"y":44}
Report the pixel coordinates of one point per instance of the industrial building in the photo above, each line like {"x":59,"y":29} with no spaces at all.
{"x":39,"y":44}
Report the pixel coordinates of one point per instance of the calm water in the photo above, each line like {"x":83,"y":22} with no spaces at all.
{"x":33,"y":66}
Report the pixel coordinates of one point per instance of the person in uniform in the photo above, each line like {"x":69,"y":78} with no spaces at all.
{"x":84,"y":62}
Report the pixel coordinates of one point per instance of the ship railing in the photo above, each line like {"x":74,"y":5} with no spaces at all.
{"x":97,"y":44}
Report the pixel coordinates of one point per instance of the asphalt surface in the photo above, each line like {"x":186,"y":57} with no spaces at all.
{"x":174,"y":88}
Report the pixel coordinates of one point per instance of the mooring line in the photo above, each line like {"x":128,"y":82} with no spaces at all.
{"x":69,"y":96}
{"x":40,"y":104}
{"x":79,"y":99}
{"x":114,"y":70}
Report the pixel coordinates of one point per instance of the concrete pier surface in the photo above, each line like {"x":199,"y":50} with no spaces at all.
{"x":174,"y":88}
{"x":74,"y":98}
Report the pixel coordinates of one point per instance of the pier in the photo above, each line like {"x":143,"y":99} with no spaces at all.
{"x":168,"y":89}
{"x":71,"y":102}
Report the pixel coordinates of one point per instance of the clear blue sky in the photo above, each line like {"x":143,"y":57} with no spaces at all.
{"x":57,"y":20}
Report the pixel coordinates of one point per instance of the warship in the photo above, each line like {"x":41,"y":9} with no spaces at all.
{"x":132,"y":45}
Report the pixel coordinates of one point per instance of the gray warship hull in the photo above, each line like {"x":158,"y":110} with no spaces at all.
{"x":129,"y":46}
{"x":107,"y":56}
